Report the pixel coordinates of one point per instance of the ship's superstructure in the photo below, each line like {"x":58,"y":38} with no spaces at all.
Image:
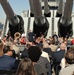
{"x":28,"y":20}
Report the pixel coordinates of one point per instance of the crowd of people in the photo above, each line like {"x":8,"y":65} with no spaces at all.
{"x":31,"y":55}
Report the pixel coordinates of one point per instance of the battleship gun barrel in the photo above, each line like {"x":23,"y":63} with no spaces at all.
{"x":31,"y":8}
{"x":8,"y":10}
{"x":65,"y":22}
{"x":41,"y":24}
{"x":15,"y":21}
{"x":60,"y":9}
{"x":47,"y":12}
{"x":37,"y":9}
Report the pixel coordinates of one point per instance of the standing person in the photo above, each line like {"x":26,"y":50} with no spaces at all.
{"x":1,"y":48}
{"x":31,"y":36}
{"x":4,"y":40}
{"x":57,"y":57}
{"x":67,"y":35}
{"x":55,"y":37}
{"x":23,"y":34}
{"x":22,"y":40}
{"x":26,"y":67}
{"x":72,"y":41}
{"x":69,"y":60}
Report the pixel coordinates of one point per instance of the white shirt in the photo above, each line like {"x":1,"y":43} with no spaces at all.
{"x":23,"y":34}
{"x":44,"y":54}
{"x":63,"y":63}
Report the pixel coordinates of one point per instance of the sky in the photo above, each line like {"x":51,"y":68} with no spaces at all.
{"x":17,"y":5}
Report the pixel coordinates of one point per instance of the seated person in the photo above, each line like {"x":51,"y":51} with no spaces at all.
{"x":26,"y":67}
{"x":24,"y":53}
{"x":34,"y":54}
{"x":6,"y":61}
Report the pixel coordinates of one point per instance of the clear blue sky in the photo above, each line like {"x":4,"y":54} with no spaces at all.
{"x":17,"y":5}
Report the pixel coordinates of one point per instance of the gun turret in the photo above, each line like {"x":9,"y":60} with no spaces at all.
{"x":16,"y":23}
{"x":41,"y":24}
{"x":65,"y":22}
